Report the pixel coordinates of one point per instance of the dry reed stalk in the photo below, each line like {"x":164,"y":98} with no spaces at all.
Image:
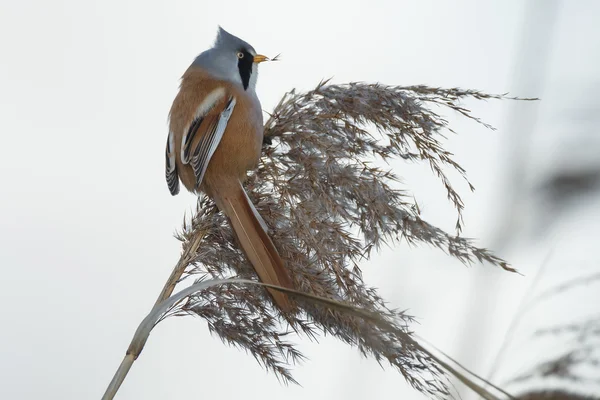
{"x":328,"y":206}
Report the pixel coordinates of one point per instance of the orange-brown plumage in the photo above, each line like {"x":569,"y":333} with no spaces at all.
{"x":238,"y":151}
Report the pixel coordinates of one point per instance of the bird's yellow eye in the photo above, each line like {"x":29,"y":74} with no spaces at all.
{"x":240,"y":55}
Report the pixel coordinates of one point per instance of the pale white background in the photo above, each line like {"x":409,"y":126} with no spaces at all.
{"x":86,"y":220}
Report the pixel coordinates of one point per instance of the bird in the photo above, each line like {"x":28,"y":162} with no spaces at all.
{"x":215,"y":137}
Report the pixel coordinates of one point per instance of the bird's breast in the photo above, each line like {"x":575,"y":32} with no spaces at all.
{"x":240,"y":148}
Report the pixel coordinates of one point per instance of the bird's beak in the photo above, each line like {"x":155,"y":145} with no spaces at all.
{"x":260,"y":58}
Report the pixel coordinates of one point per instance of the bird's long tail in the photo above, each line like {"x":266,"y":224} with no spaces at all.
{"x":251,"y":232}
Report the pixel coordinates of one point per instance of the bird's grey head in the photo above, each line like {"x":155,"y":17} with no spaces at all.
{"x":231,"y":59}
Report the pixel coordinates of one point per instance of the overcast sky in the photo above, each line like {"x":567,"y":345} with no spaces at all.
{"x":86,"y":220}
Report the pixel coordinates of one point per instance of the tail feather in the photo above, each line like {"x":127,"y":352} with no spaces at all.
{"x":250,"y":229}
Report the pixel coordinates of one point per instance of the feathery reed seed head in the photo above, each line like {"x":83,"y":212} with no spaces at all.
{"x":328,"y":206}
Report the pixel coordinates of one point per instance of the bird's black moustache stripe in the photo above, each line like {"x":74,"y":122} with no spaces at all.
{"x":245,"y":67}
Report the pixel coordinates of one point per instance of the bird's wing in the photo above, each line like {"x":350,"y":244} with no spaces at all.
{"x":198,"y":120}
{"x":210,"y":130}
{"x":171,"y":166}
